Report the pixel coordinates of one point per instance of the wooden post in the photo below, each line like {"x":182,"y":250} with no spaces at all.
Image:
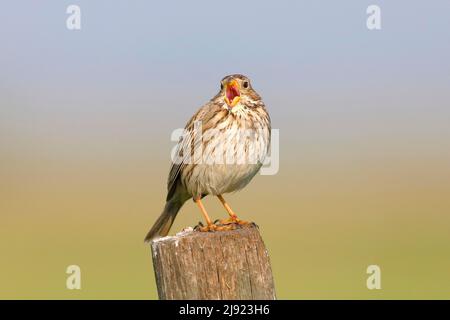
{"x":213,"y":265}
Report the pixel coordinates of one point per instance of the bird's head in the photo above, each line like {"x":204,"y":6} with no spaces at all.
{"x":235,"y":88}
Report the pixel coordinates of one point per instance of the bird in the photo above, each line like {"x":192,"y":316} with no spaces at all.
{"x":223,"y":147}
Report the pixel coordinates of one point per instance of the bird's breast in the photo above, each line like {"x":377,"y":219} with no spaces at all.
{"x":233,"y":151}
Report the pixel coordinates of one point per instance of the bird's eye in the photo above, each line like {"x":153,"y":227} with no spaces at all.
{"x":245,"y":84}
{"x":221,"y":86}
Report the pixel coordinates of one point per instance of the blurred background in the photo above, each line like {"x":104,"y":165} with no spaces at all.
{"x":86,"y":118}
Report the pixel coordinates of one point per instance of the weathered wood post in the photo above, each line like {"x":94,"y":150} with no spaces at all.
{"x":213,"y":265}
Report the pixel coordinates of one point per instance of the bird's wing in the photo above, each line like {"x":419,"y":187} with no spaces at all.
{"x":204,"y":114}
{"x":184,"y":143}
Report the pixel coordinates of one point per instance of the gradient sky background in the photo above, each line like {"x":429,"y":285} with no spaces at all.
{"x":364,"y":119}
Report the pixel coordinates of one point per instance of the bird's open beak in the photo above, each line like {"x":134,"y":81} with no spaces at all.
{"x":232,"y":95}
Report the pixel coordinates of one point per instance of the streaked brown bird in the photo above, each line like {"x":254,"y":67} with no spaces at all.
{"x":224,"y":146}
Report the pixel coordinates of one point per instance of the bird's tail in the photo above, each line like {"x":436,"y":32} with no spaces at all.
{"x":162,"y":225}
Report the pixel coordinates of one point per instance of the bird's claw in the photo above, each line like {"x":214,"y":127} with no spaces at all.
{"x":198,"y":226}
{"x":214,"y":227}
{"x":231,"y":223}
{"x":233,"y":220}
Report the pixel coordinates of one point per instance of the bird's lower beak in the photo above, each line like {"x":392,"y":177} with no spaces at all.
{"x":232,"y":95}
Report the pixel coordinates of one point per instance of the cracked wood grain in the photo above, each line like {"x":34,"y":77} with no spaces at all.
{"x":213,"y":265}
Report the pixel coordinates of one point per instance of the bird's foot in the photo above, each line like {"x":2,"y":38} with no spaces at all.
{"x":213,"y":227}
{"x":233,"y":220}
{"x":216,"y":226}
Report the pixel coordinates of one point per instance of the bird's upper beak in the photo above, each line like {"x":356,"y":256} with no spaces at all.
{"x":232,"y":95}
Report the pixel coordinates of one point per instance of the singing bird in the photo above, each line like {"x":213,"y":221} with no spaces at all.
{"x":234,"y":130}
